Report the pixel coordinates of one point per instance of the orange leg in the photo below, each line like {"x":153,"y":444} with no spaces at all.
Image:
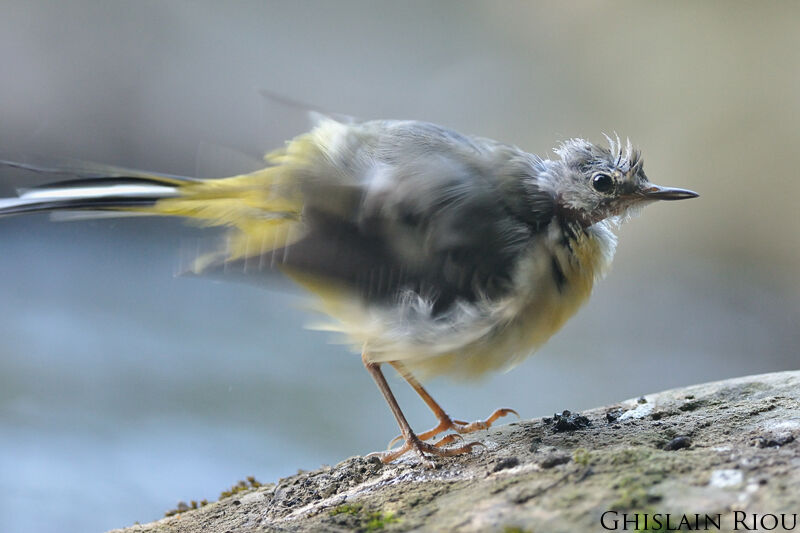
{"x":412,"y":441}
{"x":445,"y":422}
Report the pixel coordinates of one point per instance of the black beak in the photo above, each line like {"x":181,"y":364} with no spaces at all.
{"x":656,"y":192}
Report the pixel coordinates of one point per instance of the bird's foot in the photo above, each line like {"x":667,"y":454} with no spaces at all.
{"x":421,"y":448}
{"x":459,"y":426}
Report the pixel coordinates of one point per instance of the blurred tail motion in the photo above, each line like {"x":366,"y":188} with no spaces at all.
{"x":262,"y":206}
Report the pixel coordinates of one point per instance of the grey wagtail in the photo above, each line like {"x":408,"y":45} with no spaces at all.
{"x":435,"y":252}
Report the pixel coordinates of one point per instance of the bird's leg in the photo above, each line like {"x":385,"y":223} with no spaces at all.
{"x":445,"y":422}
{"x":412,"y":441}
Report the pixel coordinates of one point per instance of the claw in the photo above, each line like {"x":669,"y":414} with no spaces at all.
{"x":422,"y":448}
{"x":444,"y":441}
{"x":476,"y":443}
{"x":482,"y":424}
{"x":460,"y":426}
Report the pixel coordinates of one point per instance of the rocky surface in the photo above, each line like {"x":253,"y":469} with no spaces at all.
{"x":729,"y":449}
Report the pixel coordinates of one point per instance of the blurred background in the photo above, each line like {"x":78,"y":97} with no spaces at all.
{"x":124,"y":389}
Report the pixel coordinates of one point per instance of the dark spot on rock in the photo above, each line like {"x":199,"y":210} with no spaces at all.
{"x":567,"y":421}
{"x":236,"y":502}
{"x":658,"y":415}
{"x":613,"y":414}
{"x":774,"y":441}
{"x":535,"y":443}
{"x":554,"y":459}
{"x":761,"y":409}
{"x":526,"y":494}
{"x":506,"y":462}
{"x":690,"y":406}
{"x":677,"y":443}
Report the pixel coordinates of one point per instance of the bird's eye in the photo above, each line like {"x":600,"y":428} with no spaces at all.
{"x":602,"y":183}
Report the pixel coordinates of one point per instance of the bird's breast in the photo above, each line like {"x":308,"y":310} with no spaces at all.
{"x":552,"y":279}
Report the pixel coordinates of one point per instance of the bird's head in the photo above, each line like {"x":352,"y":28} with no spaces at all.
{"x":592,"y":183}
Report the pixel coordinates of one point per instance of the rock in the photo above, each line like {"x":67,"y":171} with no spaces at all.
{"x":568,"y":421}
{"x":715,"y":449}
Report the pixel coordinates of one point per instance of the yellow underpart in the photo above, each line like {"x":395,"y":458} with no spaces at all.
{"x":506,"y":332}
{"x":528,"y":320}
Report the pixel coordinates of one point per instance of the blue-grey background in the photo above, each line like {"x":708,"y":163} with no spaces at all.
{"x":124,"y":389}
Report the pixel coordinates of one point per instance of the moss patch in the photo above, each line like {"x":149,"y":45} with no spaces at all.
{"x":354,"y":516}
{"x":377,"y":520}
{"x":241,"y":486}
{"x":346,"y":508}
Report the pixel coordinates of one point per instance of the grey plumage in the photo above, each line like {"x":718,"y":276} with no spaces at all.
{"x":440,"y":239}
{"x":435,"y":252}
{"x":410,"y":190}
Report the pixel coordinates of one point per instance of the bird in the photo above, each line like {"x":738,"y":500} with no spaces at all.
{"x":431,"y":251}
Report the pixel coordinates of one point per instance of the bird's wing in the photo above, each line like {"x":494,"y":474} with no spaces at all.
{"x":398,"y":207}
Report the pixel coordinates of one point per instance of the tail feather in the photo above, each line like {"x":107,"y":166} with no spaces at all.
{"x":262,"y":208}
{"x":88,"y":170}
{"x":98,"y":198}
{"x":90,"y":187}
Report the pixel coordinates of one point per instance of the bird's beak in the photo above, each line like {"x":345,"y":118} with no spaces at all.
{"x":657,"y":192}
